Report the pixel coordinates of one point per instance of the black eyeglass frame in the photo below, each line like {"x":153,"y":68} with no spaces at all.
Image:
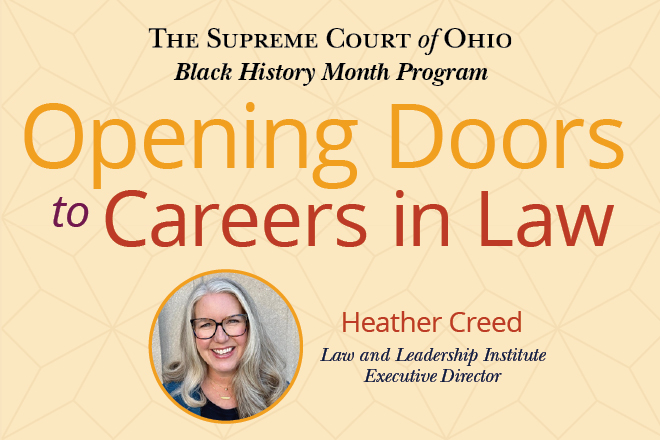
{"x":219,"y":324}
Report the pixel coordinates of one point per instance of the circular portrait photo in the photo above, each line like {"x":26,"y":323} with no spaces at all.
{"x":226,"y":346}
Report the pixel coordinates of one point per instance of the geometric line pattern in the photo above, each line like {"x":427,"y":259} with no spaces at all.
{"x":77,"y":308}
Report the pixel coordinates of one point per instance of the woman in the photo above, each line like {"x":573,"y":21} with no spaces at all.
{"x":229,"y":368}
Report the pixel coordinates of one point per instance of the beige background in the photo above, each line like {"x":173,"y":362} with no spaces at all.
{"x":77,"y":308}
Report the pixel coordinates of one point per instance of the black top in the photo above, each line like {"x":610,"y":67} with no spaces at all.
{"x":214,"y":412}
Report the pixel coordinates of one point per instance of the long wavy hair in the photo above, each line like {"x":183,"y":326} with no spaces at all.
{"x":258,"y":382}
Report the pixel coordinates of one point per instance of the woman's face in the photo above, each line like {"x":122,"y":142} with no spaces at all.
{"x":218,"y":306}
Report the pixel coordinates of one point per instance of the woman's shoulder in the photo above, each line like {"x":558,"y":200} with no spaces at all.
{"x":172,"y":387}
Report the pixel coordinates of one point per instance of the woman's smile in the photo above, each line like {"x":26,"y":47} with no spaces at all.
{"x":223,"y":353}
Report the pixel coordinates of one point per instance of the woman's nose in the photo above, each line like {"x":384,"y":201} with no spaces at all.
{"x":220,"y":334}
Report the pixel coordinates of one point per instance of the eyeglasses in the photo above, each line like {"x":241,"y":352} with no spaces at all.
{"x":234,"y":325}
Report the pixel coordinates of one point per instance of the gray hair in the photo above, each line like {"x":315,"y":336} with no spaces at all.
{"x":258,"y":382}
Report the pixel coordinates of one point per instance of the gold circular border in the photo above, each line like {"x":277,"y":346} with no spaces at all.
{"x":191,"y":279}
